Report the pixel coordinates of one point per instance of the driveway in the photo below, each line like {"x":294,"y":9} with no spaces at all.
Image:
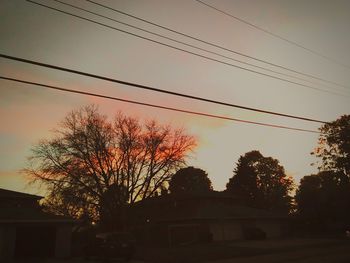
{"x":264,"y":251}
{"x":73,"y":260}
{"x":297,"y":251}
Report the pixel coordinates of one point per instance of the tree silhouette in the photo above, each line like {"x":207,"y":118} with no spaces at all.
{"x":324,"y":198}
{"x":190,"y":180}
{"x":90,"y":158}
{"x":308,"y":196}
{"x":334,"y":146}
{"x":261,"y":182}
{"x":112,"y":207}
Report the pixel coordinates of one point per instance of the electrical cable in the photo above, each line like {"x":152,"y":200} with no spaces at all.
{"x":274,"y":34}
{"x":186,"y":51}
{"x":184,"y":43}
{"x":32,"y":62}
{"x":152,"y":105}
{"x":216,"y":45}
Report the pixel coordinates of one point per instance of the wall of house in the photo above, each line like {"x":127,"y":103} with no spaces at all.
{"x":217,"y":231}
{"x":222,"y":231}
{"x":7,"y":242}
{"x":272,"y":228}
{"x":63,"y":241}
{"x":233,"y":230}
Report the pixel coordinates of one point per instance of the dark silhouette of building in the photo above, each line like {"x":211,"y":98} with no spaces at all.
{"x":191,"y":218}
{"x":27,"y":232}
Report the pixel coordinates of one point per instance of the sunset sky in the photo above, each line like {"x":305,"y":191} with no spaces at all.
{"x":29,"y":113}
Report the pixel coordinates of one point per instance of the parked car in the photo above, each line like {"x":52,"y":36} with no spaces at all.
{"x":110,"y":246}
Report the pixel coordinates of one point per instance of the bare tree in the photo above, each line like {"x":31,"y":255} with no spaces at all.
{"x":90,"y":156}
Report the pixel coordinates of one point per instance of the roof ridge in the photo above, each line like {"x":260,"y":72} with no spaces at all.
{"x":16,"y":194}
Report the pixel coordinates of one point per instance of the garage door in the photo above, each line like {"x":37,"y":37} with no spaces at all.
{"x":35,"y":241}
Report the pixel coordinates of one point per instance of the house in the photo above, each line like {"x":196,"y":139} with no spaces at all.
{"x":26,"y":231}
{"x":213,"y":216}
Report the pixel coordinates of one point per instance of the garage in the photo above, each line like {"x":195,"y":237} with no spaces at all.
{"x":35,"y":242}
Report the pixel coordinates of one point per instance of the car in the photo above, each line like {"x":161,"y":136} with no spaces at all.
{"x":110,"y":246}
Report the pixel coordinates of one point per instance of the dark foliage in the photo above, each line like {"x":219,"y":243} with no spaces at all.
{"x":323,"y":194}
{"x":324,"y":198}
{"x":190,"y":180}
{"x":334,"y":146}
{"x":261,"y":182}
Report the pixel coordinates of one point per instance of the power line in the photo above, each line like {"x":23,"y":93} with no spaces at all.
{"x":153,"y":105}
{"x":186,"y":51}
{"x":156,"y":89}
{"x":183,"y":43}
{"x":273,"y":34}
{"x":215,"y":45}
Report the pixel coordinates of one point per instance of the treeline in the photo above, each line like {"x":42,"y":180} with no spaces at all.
{"x":257,"y":181}
{"x":323,"y":199}
{"x":321,"y":202}
{"x":93,"y":167}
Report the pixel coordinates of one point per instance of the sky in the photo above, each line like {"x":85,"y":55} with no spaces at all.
{"x":29,"y":113}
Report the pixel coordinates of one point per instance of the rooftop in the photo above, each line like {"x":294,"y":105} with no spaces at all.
{"x":4,"y":193}
{"x":30,"y":215}
{"x":207,"y":206}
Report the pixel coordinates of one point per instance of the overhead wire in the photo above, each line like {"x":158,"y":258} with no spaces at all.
{"x":216,"y":45}
{"x":273,"y":34}
{"x":140,"y":86}
{"x":184,"y":43}
{"x":187,"y":51}
{"x":153,"y":105}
